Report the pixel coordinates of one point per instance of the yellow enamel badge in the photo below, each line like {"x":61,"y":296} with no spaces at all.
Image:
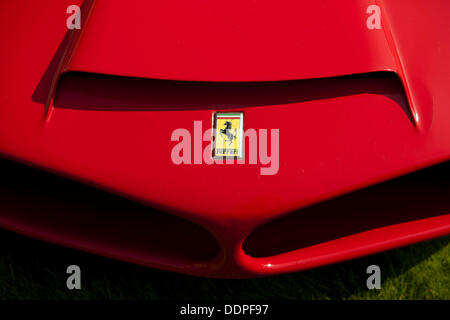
{"x":228,"y":134}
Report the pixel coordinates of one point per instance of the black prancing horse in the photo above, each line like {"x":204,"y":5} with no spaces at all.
{"x":228,"y":134}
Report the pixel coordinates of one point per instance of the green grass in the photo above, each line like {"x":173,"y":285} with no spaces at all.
{"x":30,"y":269}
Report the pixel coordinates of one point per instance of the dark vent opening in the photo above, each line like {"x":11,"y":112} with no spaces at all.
{"x":419,"y":195}
{"x":31,"y":198}
{"x":88,"y":91}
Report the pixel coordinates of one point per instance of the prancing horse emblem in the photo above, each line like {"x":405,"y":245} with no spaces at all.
{"x":228,"y":133}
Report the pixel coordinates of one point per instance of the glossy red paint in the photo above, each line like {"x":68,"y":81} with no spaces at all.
{"x":337,"y":133}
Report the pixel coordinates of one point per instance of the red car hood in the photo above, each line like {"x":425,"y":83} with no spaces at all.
{"x":351,"y":127}
{"x":236,"y":41}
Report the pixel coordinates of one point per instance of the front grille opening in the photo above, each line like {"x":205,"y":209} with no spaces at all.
{"x":420,"y":195}
{"x":89,"y":91}
{"x":65,"y":209}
